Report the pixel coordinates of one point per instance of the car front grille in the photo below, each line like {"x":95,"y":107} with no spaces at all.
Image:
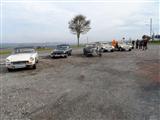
{"x":20,"y":62}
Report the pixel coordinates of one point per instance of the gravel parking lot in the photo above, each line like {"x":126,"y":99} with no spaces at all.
{"x":116,"y":86}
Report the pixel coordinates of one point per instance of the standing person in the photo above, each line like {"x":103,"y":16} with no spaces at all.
{"x":144,"y":44}
{"x":145,"y":41}
{"x":123,"y":39}
{"x":113,"y":43}
{"x":137,"y":43}
{"x":140,"y":44}
{"x":133,"y":44}
{"x":116,"y":45}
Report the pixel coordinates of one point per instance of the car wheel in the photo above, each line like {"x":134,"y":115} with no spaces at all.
{"x":129,"y":50}
{"x":34,"y":66}
{"x":9,"y":70}
{"x":66,"y":55}
{"x":120,"y":49}
{"x":100,"y":55}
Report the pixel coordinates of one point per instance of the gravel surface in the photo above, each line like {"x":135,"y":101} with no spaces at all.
{"x":116,"y":86}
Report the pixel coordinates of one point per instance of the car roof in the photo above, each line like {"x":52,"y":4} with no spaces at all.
{"x":63,"y":45}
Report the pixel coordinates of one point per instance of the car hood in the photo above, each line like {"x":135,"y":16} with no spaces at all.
{"x":20,"y":57}
{"x":107,"y":46}
{"x":124,"y":45}
{"x":58,"y":51}
{"x":89,"y":49}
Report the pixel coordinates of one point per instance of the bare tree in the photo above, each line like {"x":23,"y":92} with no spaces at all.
{"x":79,"y":25}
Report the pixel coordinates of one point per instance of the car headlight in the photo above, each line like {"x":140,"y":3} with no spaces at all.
{"x":31,"y":59}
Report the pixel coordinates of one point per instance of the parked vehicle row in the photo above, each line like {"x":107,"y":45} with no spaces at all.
{"x":28,"y":57}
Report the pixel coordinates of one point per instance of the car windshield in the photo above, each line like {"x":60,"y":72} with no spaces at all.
{"x":91,"y":45}
{"x":24,"y":50}
{"x":62,"y":47}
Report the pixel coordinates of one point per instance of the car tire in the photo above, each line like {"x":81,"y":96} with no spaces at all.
{"x":66,"y":56}
{"x":9,"y":70}
{"x":100,"y":55}
{"x":34,"y":66}
{"x":120,"y":49}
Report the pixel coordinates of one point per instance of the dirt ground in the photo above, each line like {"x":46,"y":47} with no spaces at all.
{"x":116,"y":86}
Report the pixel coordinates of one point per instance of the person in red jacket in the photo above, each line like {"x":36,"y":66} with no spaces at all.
{"x":113,"y":43}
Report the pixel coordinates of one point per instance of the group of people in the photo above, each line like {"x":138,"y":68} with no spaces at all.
{"x":140,"y":44}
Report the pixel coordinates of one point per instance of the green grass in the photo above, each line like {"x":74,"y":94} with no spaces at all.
{"x":9,"y":51}
{"x":43,"y":49}
{"x":155,"y":42}
{"x":4,"y":52}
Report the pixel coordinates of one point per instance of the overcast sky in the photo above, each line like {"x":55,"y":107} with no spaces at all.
{"x":28,"y":21}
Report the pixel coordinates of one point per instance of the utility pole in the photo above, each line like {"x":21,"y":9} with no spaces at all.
{"x":150,"y":27}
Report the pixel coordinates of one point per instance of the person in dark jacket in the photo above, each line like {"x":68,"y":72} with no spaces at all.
{"x":137,"y":44}
{"x":133,"y":44}
{"x":140,"y":44}
{"x":145,"y":41}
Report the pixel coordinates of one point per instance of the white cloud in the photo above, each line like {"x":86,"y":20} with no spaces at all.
{"x":38,"y":21}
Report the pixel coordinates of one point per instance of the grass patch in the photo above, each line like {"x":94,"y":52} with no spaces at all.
{"x":8,"y":51}
{"x":43,"y":49}
{"x":4,"y":52}
{"x":155,"y":42}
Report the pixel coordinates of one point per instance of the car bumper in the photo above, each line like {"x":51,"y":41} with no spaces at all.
{"x":17,"y":66}
{"x":108,"y":49}
{"x":58,"y":55}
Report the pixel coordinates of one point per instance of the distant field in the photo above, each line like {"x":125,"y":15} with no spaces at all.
{"x":155,"y":42}
{"x":9,"y":51}
{"x":4,"y":52}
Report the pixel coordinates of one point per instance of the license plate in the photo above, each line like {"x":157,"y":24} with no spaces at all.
{"x":20,"y":65}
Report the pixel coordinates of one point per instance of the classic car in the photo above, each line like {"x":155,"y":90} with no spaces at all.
{"x":63,"y":50}
{"x":92,"y":49}
{"x":122,"y":46}
{"x":22,"y":57}
{"x":107,"y":47}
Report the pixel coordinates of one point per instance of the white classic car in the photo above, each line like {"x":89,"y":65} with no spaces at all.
{"x":22,"y":57}
{"x":107,"y":47}
{"x":124,"y":46}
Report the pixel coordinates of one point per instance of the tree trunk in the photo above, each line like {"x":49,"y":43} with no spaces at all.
{"x":78,"y":36}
